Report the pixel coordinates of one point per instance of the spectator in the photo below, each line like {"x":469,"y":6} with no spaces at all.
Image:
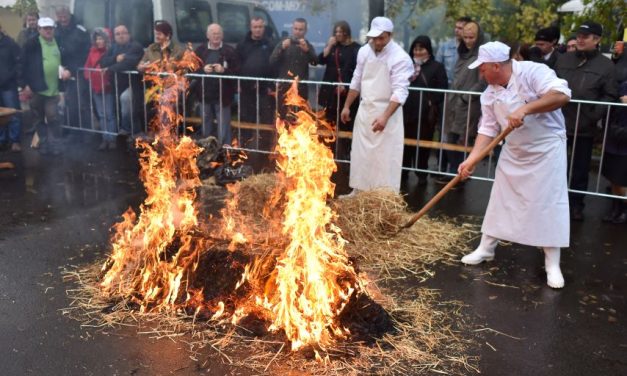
{"x":29,"y":30}
{"x":546,"y":41}
{"x":10,"y":63}
{"x":292,"y":57}
{"x":162,"y":50}
{"x":161,"y":56}
{"x":340,"y":58}
{"x":463,"y":111}
{"x":254,"y":52}
{"x":381,"y":77}
{"x":620,"y":61}
{"x":615,"y":161}
{"x":74,"y":44}
{"x":41,"y":60}
{"x":590,"y":76}
{"x":217,"y":58}
{"x":571,"y":44}
{"x":425,"y":107}
{"x":447,"y":51}
{"x":122,"y":57}
{"x":101,"y":88}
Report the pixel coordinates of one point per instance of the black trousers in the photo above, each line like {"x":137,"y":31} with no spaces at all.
{"x":581,"y":159}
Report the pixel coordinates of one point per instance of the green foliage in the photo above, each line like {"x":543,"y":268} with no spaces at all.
{"x":609,"y":13}
{"x":514,"y":20}
{"x":22,"y":7}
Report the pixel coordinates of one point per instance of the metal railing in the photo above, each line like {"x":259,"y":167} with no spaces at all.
{"x":258,"y":136}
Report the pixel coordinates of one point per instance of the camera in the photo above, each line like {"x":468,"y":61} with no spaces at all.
{"x":295,"y":40}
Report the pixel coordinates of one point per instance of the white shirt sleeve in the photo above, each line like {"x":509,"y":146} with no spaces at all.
{"x":400,"y":72}
{"x":543,"y":79}
{"x":359,"y":68}
{"x":488,"y":125}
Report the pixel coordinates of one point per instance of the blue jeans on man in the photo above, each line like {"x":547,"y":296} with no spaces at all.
{"x":105,"y":110}
{"x":214,"y":112}
{"x":12,"y":131}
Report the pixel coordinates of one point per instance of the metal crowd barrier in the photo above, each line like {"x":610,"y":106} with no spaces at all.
{"x":263,"y":134}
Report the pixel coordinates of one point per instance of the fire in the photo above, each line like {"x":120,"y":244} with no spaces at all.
{"x":313,"y":279}
{"x":153,"y":252}
{"x":301,"y":280}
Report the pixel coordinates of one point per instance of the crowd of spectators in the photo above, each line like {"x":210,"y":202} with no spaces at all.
{"x":51,"y":57}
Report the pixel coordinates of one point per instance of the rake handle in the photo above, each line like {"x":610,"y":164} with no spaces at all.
{"x":434,"y":200}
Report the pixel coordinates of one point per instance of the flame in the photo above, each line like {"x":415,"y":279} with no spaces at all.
{"x":153,"y":253}
{"x":313,"y":279}
{"x":299,"y":283}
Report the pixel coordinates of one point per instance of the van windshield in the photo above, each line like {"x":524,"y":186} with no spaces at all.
{"x":235,"y":21}
{"x":192,"y":18}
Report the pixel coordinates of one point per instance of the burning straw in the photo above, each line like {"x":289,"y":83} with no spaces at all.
{"x":282,"y":268}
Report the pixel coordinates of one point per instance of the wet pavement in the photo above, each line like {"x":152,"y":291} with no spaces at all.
{"x":57,"y":211}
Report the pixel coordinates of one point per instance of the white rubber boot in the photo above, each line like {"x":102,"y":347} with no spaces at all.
{"x":484,"y":252}
{"x":554,"y":277}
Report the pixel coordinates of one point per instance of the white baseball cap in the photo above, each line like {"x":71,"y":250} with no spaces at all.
{"x":491,"y":52}
{"x":45,"y":22}
{"x":380,"y":25}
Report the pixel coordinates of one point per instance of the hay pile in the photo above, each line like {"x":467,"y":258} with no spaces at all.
{"x":427,"y":331}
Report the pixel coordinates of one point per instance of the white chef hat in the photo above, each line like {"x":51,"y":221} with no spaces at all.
{"x":491,"y":52}
{"x":380,"y":25}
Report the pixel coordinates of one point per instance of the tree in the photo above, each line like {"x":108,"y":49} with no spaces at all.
{"x":22,"y":7}
{"x":513,"y":20}
{"x":609,"y":13}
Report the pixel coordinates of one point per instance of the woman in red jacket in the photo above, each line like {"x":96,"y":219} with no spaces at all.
{"x":100,"y":85}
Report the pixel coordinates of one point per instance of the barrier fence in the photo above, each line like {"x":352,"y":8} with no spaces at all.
{"x":252,"y":113}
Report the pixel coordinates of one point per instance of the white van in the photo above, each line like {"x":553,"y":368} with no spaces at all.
{"x":189,"y":18}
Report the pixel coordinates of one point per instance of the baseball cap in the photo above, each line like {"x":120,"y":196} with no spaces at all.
{"x":548,"y":34}
{"x":45,"y":22}
{"x":380,"y":25}
{"x":591,"y":27}
{"x":491,"y":52}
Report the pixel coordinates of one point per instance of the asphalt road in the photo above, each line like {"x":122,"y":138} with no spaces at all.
{"x":57,"y":211}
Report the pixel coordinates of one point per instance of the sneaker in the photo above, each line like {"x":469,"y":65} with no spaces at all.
{"x":123,"y":132}
{"x":15,"y":147}
{"x":352,"y":193}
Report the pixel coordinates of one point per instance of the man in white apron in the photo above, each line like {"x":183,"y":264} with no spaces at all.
{"x":529,"y":198}
{"x":381,"y":77}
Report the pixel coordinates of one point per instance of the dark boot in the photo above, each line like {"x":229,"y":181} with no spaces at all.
{"x":622,"y":214}
{"x":614,"y":211}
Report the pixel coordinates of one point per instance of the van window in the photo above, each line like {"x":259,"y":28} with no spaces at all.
{"x":271,"y":32}
{"x":137,"y":16}
{"x":235,"y":21}
{"x":192,"y":19}
{"x":90,"y":14}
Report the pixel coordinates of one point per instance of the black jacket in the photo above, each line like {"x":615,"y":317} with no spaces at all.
{"x":432,"y":75}
{"x":133,"y":53}
{"x":341,"y":62}
{"x":74,"y":44}
{"x":32,"y":73}
{"x":227,"y":57}
{"x":9,"y":61}
{"x":254,"y":56}
{"x":590,"y":76}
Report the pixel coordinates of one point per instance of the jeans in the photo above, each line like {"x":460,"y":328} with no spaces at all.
{"x":45,"y":111}
{"x":9,"y":98}
{"x":211,"y":112}
{"x":105,"y":111}
{"x":454,"y":158}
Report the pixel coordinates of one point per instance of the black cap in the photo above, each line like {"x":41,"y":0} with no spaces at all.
{"x":591,"y":27}
{"x":548,"y":34}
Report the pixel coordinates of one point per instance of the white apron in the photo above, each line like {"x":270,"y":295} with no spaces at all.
{"x":529,"y":199}
{"x":376,"y":158}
